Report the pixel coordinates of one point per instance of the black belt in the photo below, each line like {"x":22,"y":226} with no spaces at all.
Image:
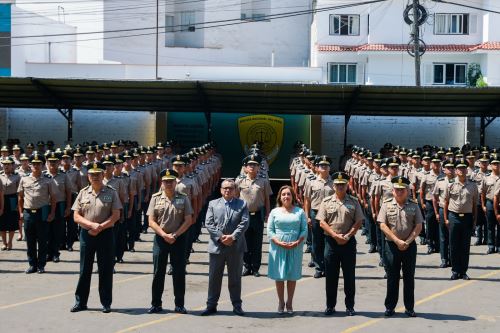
{"x":33,"y":211}
{"x":460,"y":214}
{"x":255,"y":213}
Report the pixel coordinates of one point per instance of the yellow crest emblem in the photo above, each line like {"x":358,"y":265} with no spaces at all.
{"x":266,"y":129}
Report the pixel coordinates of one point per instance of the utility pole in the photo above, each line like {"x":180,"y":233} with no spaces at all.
{"x":157,"y":39}
{"x":416,"y":41}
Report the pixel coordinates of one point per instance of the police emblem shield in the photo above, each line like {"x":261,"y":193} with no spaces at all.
{"x":265,"y":129}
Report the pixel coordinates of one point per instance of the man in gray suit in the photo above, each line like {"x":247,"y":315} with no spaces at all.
{"x":226,"y":222}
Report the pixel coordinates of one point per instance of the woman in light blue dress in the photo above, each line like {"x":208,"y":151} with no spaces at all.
{"x":286,"y":229}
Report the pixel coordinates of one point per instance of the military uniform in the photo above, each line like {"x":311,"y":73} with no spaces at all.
{"x":477,"y":176}
{"x":315,"y":192}
{"x":169,"y":214}
{"x":444,"y":234}
{"x":37,"y":202}
{"x":98,"y":208}
{"x":401,"y":220}
{"x":9,"y":183}
{"x":431,"y":225}
{"x":342,"y":216}
{"x":460,"y":201}
{"x":255,"y":192}
{"x":487,"y":192}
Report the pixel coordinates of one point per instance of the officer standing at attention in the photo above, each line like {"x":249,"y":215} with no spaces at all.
{"x":255,"y":191}
{"x":9,"y":218}
{"x":62,"y":196}
{"x":319,"y":188}
{"x":426,"y":187}
{"x":170,"y":216}
{"x":37,"y":207}
{"x":460,"y":213}
{"x":401,"y":221}
{"x":340,"y":217}
{"x":96,"y":209}
{"x":487,"y":196}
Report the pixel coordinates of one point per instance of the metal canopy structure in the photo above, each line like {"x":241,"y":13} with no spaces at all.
{"x":209,"y":97}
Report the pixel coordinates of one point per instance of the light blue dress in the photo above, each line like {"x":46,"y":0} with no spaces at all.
{"x":286,"y":264}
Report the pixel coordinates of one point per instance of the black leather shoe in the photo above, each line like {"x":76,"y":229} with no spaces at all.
{"x":329,"y":311}
{"x":465,"y":277}
{"x":350,"y":312}
{"x":120,"y":261}
{"x":490,"y":250}
{"x":209,"y":311}
{"x":381,"y":263}
{"x":170,"y":270}
{"x":256,"y":274}
{"x":49,"y":258}
{"x":30,"y":270}
{"x":180,"y":309}
{"x":385,"y":275}
{"x":106,"y":309}
{"x":132,"y":250}
{"x":372,"y":249}
{"x":246,"y":272}
{"x":308,"y":250}
{"x":237,"y":310}
{"x":311,"y":264}
{"x":454,"y":276}
{"x":477,"y":243}
{"x":410,"y":313}
{"x":155,"y":309}
{"x":56,"y":259}
{"x":70,"y":249}
{"x":443,"y":264}
{"x":389,"y":313}
{"x":78,"y":308}
{"x":318,"y":275}
{"x":430,"y":251}
{"x":188,"y":262}
{"x":41,"y":270}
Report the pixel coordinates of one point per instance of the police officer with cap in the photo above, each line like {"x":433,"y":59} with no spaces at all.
{"x":340,"y":217}
{"x":460,"y":213}
{"x":401,"y":221}
{"x":255,"y":191}
{"x":96,"y":209}
{"x":170,"y":216}
{"x":37,"y":207}
{"x":487,"y":196}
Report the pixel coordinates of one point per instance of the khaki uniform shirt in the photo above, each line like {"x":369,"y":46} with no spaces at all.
{"x":84,"y":179}
{"x":63,"y":184}
{"x":401,"y":220}
{"x":169,"y":214}
{"x":440,"y":188}
{"x":97,"y":207}
{"x":340,"y":215}
{"x":23,"y":173}
{"x":254,"y":192}
{"x":9,"y":184}
{"x":384,"y":189}
{"x":477,"y":177}
{"x":36,"y":191}
{"x":428,"y":183}
{"x":317,"y":190}
{"x":462,"y":197}
{"x":118,"y":184}
{"x":488,"y":186}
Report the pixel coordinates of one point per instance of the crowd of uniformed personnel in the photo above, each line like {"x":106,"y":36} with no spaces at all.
{"x":118,"y":190}
{"x":443,"y":196}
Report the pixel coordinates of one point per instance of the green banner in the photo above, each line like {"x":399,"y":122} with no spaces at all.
{"x":233,"y":133}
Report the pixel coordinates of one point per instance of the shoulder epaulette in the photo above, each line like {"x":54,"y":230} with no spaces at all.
{"x":110,"y":187}
{"x":488,"y":173}
{"x":86,"y":187}
{"x":441,"y":178}
{"x":156,"y":194}
{"x":412,"y":200}
{"x":353,"y":197}
{"x":388,"y":199}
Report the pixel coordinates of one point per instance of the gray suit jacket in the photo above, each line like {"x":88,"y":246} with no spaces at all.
{"x":218,"y":224}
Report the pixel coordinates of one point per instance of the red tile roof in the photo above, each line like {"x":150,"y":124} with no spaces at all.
{"x":402,"y":47}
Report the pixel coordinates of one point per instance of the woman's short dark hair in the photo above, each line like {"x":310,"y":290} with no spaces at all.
{"x":278,"y":197}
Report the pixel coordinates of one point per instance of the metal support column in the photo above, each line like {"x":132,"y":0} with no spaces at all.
{"x":485,"y":122}
{"x":205,"y":106}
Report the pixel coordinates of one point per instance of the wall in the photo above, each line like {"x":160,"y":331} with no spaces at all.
{"x":373,"y":132}
{"x":103,"y":126}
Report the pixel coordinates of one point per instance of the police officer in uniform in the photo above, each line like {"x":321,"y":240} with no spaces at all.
{"x":96,"y":209}
{"x":478,"y":176}
{"x":487,"y":196}
{"x":319,"y":188}
{"x":438,"y":203}
{"x":401,"y":221}
{"x":37,"y":207}
{"x":9,"y":217}
{"x":62,"y":196}
{"x":340,"y":217}
{"x":460,"y":213}
{"x":255,"y":191}
{"x":426,"y":187}
{"x":170,"y":216}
